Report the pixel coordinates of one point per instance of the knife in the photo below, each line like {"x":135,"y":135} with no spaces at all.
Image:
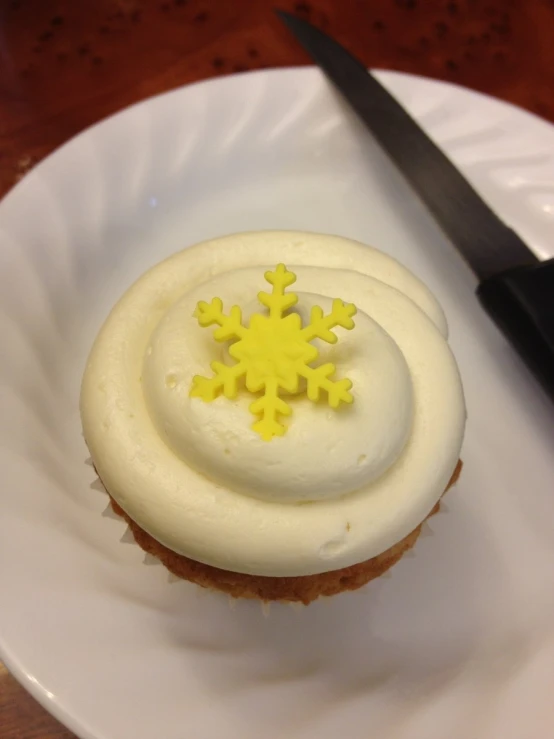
{"x":515,"y":288}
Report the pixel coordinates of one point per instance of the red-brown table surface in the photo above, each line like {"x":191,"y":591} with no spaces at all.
{"x":66,"y":64}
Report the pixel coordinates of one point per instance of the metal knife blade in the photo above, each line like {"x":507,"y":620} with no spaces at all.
{"x":486,"y":243}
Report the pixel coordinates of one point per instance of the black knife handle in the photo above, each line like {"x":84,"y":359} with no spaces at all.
{"x":521,"y":302}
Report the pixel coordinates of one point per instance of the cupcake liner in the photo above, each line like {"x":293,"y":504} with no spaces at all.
{"x":426,"y":530}
{"x":200,"y":592}
{"x":98,"y":486}
{"x":127,"y":537}
{"x":109,"y":513}
{"x":295,"y":605}
{"x":403,"y":550}
{"x":150,"y":560}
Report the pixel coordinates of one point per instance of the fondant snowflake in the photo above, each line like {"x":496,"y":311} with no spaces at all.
{"x":273,"y":353}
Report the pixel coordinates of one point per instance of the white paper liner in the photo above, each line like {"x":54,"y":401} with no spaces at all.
{"x":266,"y":608}
{"x":426,"y":531}
{"x":296,"y":605}
{"x":150,"y":559}
{"x":98,"y":486}
{"x":109,"y":512}
{"x":128,"y":537}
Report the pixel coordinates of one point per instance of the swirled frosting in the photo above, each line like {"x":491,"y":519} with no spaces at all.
{"x":340,"y":486}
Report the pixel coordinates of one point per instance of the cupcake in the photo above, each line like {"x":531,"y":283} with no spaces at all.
{"x":275,"y":414}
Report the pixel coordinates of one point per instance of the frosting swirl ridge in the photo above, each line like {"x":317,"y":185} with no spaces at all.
{"x":200,"y":480}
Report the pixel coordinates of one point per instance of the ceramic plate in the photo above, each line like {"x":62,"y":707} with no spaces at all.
{"x":458,"y":641}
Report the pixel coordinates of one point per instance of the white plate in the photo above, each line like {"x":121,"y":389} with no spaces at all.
{"x":459,"y":641}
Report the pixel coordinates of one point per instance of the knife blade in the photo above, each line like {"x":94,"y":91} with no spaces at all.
{"x":515,"y":288}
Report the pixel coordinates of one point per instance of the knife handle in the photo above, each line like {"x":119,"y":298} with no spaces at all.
{"x":521,"y":303}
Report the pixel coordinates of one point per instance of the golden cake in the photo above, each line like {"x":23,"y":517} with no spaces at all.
{"x":275,"y":413}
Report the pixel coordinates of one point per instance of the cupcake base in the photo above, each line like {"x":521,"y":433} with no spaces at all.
{"x":303,"y":589}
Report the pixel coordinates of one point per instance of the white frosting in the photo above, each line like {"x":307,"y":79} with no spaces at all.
{"x":341,"y":485}
{"x":325,"y":453}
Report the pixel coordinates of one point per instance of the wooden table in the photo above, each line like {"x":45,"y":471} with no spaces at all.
{"x":65,"y":64}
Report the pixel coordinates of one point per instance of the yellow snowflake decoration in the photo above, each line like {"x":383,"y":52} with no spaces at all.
{"x":273,"y":353}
